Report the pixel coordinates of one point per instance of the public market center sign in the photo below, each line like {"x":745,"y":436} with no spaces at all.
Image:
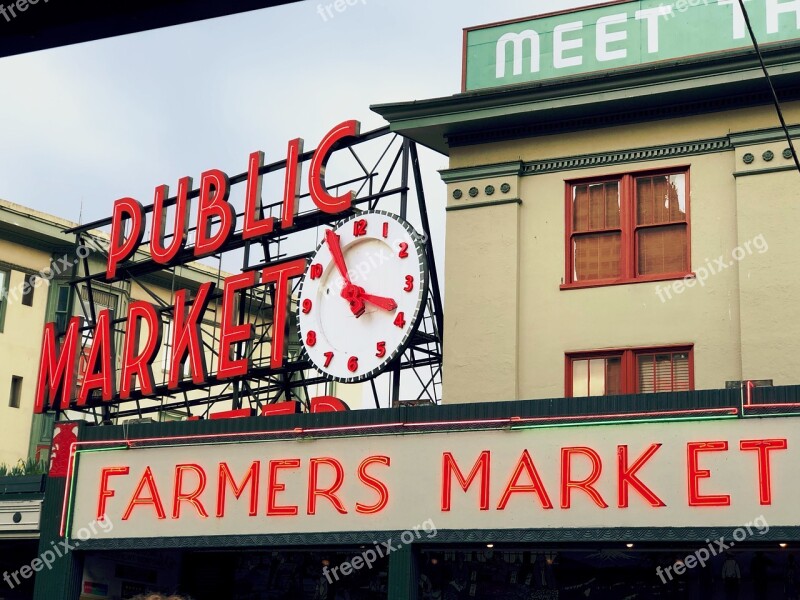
{"x":618,"y":35}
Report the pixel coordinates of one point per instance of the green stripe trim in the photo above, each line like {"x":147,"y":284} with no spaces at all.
{"x":765,"y":171}
{"x":483,"y":204}
{"x":506,"y":169}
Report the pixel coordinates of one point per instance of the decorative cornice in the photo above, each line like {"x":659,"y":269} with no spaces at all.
{"x":618,"y":157}
{"x":506,"y":169}
{"x":762,"y":136}
{"x":484,"y":204}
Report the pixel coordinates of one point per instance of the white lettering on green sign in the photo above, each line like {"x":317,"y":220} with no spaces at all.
{"x":619,"y":35}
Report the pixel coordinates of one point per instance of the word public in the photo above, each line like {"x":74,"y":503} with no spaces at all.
{"x":215,"y":226}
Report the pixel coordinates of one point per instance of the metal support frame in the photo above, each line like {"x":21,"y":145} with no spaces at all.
{"x":391,"y":190}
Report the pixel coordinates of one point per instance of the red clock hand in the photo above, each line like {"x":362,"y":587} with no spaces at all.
{"x":379,"y":301}
{"x":336,"y":252}
{"x":349,"y":292}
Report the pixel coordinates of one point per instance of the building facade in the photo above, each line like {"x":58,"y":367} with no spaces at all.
{"x":620,"y":398}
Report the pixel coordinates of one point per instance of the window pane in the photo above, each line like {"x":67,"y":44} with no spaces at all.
{"x":597,"y":256}
{"x":597,"y":377}
{"x":646,"y":374}
{"x":612,"y":204}
{"x":580,"y":378}
{"x":662,"y":250}
{"x":660,"y":199}
{"x":63,"y":298}
{"x":580,"y":208}
{"x":680,"y":371}
{"x":27,"y":291}
{"x":663,"y":372}
{"x":613,"y":376}
{"x":2,"y":283}
{"x":595,"y":206}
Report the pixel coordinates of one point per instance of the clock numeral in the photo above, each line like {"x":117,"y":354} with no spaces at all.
{"x":403,"y":250}
{"x":409,"y":283}
{"x":400,"y":320}
{"x":381,"y":350}
{"x":311,"y":339}
{"x":306,"y":306}
{"x":352,"y":364}
{"x":360,"y":227}
{"x":328,"y":358}
{"x":386,"y":230}
{"x":316,"y":271}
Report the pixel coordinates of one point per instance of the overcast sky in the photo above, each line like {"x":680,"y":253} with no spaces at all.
{"x":97,"y":121}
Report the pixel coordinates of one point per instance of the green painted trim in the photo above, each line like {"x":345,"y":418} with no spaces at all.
{"x":506,"y":169}
{"x":4,"y":295}
{"x":789,"y":533}
{"x":484,"y":204}
{"x":403,"y":575}
{"x":762,"y":136}
{"x":765,"y":171}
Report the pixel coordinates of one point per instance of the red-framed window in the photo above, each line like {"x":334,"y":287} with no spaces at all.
{"x":628,"y":228}
{"x":629,"y":371}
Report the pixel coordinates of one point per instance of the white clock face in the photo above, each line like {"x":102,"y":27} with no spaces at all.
{"x":362,"y":295}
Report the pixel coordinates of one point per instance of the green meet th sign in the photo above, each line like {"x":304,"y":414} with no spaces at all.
{"x":618,"y":35}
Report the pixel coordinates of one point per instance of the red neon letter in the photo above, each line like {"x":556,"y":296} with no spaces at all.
{"x":585,"y":484}
{"x":281,"y":274}
{"x":57,"y":366}
{"x":230,"y":333}
{"x":213,"y":203}
{"x":330,"y":493}
{"x":322,"y":404}
{"x":316,"y":177}
{"x":190,"y":497}
{"x":106,"y":493}
{"x":450,"y":467}
{"x":121,"y":247}
{"x":254,"y":223}
{"x":763,"y":447}
{"x":154,"y":499}
{"x":536,"y":486}
{"x":273,"y":510}
{"x":290,"y":407}
{"x":696,"y":474}
{"x":627,"y":476}
{"x":158,"y":229}
{"x":187,"y":335}
{"x":140,"y":365}
{"x":100,"y":373}
{"x":375,"y":484}
{"x":291,"y":184}
{"x":225,"y":477}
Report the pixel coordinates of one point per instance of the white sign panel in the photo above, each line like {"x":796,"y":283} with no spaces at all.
{"x":688,"y":474}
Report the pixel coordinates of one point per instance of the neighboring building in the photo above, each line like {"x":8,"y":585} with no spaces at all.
{"x":37,"y":260}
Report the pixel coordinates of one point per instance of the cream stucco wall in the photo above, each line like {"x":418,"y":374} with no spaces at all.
{"x":505,"y":264}
{"x":20,"y":342}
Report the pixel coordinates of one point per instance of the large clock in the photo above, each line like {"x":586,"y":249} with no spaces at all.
{"x":362,"y":295}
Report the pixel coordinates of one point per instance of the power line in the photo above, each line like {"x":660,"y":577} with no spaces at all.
{"x":771,"y":87}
